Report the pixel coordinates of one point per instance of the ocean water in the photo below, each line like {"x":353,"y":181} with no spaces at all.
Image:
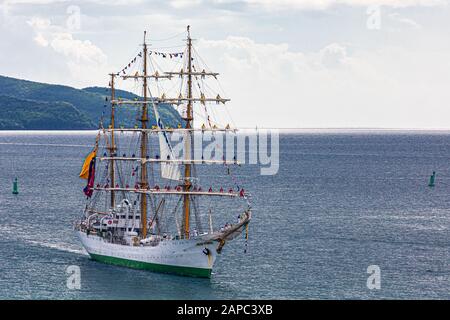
{"x":341,"y":201}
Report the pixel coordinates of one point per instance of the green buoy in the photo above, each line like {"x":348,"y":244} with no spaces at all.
{"x":432,"y":178}
{"x":15,"y":187}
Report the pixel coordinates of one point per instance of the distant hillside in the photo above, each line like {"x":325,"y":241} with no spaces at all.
{"x":26,"y":104}
{"x":128,"y":115}
{"x":21,"y":114}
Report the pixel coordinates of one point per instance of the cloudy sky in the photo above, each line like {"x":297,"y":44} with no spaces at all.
{"x":284,"y":63}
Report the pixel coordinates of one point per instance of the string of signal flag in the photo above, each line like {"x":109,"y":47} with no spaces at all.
{"x":164,"y":55}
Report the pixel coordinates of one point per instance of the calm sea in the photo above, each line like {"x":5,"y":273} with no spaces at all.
{"x":341,"y":201}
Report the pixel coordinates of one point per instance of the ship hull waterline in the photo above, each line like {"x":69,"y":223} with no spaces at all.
{"x":179,"y":257}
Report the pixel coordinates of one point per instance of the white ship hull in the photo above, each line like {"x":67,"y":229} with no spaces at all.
{"x":193,"y":257}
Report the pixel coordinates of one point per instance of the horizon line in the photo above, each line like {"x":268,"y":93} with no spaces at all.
{"x":256,"y":128}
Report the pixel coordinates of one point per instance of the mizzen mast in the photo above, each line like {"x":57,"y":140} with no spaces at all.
{"x":144,"y":142}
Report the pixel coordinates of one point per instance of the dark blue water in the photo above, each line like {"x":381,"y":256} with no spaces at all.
{"x":341,"y":201}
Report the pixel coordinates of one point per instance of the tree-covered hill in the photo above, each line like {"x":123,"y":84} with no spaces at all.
{"x":22,"y":114}
{"x":28,"y":105}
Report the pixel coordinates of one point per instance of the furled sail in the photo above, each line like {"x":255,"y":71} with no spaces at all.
{"x":168,"y":170}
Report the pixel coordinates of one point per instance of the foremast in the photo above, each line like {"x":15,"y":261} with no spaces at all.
{"x":144,"y":141}
{"x":188,"y":141}
{"x":112,"y":147}
{"x":143,"y":180}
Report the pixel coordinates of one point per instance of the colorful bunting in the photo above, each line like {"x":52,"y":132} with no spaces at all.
{"x":162,"y":54}
{"x":166,"y":55}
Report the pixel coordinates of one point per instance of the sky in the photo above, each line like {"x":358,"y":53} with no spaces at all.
{"x":284,"y":63}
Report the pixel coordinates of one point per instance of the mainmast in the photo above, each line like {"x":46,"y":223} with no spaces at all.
{"x":144,"y":140}
{"x":112,"y":147}
{"x":188,"y":141}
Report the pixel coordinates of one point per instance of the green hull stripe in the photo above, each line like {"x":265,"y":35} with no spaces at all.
{"x":164,"y":268}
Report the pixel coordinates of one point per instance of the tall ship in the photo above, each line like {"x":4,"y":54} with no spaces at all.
{"x":147,"y":206}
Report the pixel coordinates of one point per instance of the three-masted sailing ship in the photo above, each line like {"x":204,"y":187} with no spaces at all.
{"x":143,"y":203}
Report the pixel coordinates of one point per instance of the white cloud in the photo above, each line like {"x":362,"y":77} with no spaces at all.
{"x":333,"y":55}
{"x":117,"y":2}
{"x":273,"y":86}
{"x":406,"y":21}
{"x":78,"y":51}
{"x":324,"y":4}
{"x":11,"y":2}
{"x":81,"y":56}
{"x":181,"y":4}
{"x":85,"y":61}
{"x":40,"y":40}
{"x":328,"y":70}
{"x":39,"y":23}
{"x":63,"y":42}
{"x":267,"y":4}
{"x":111,"y":2}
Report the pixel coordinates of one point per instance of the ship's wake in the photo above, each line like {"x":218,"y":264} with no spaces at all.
{"x":59,"y":246}
{"x":12,"y":232}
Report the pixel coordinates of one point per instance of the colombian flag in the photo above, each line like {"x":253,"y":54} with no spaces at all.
{"x":84,"y":174}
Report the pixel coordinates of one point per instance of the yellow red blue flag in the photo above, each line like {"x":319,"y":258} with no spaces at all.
{"x":84,"y":174}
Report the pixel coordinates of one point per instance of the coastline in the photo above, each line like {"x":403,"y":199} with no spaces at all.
{"x":281,"y":131}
